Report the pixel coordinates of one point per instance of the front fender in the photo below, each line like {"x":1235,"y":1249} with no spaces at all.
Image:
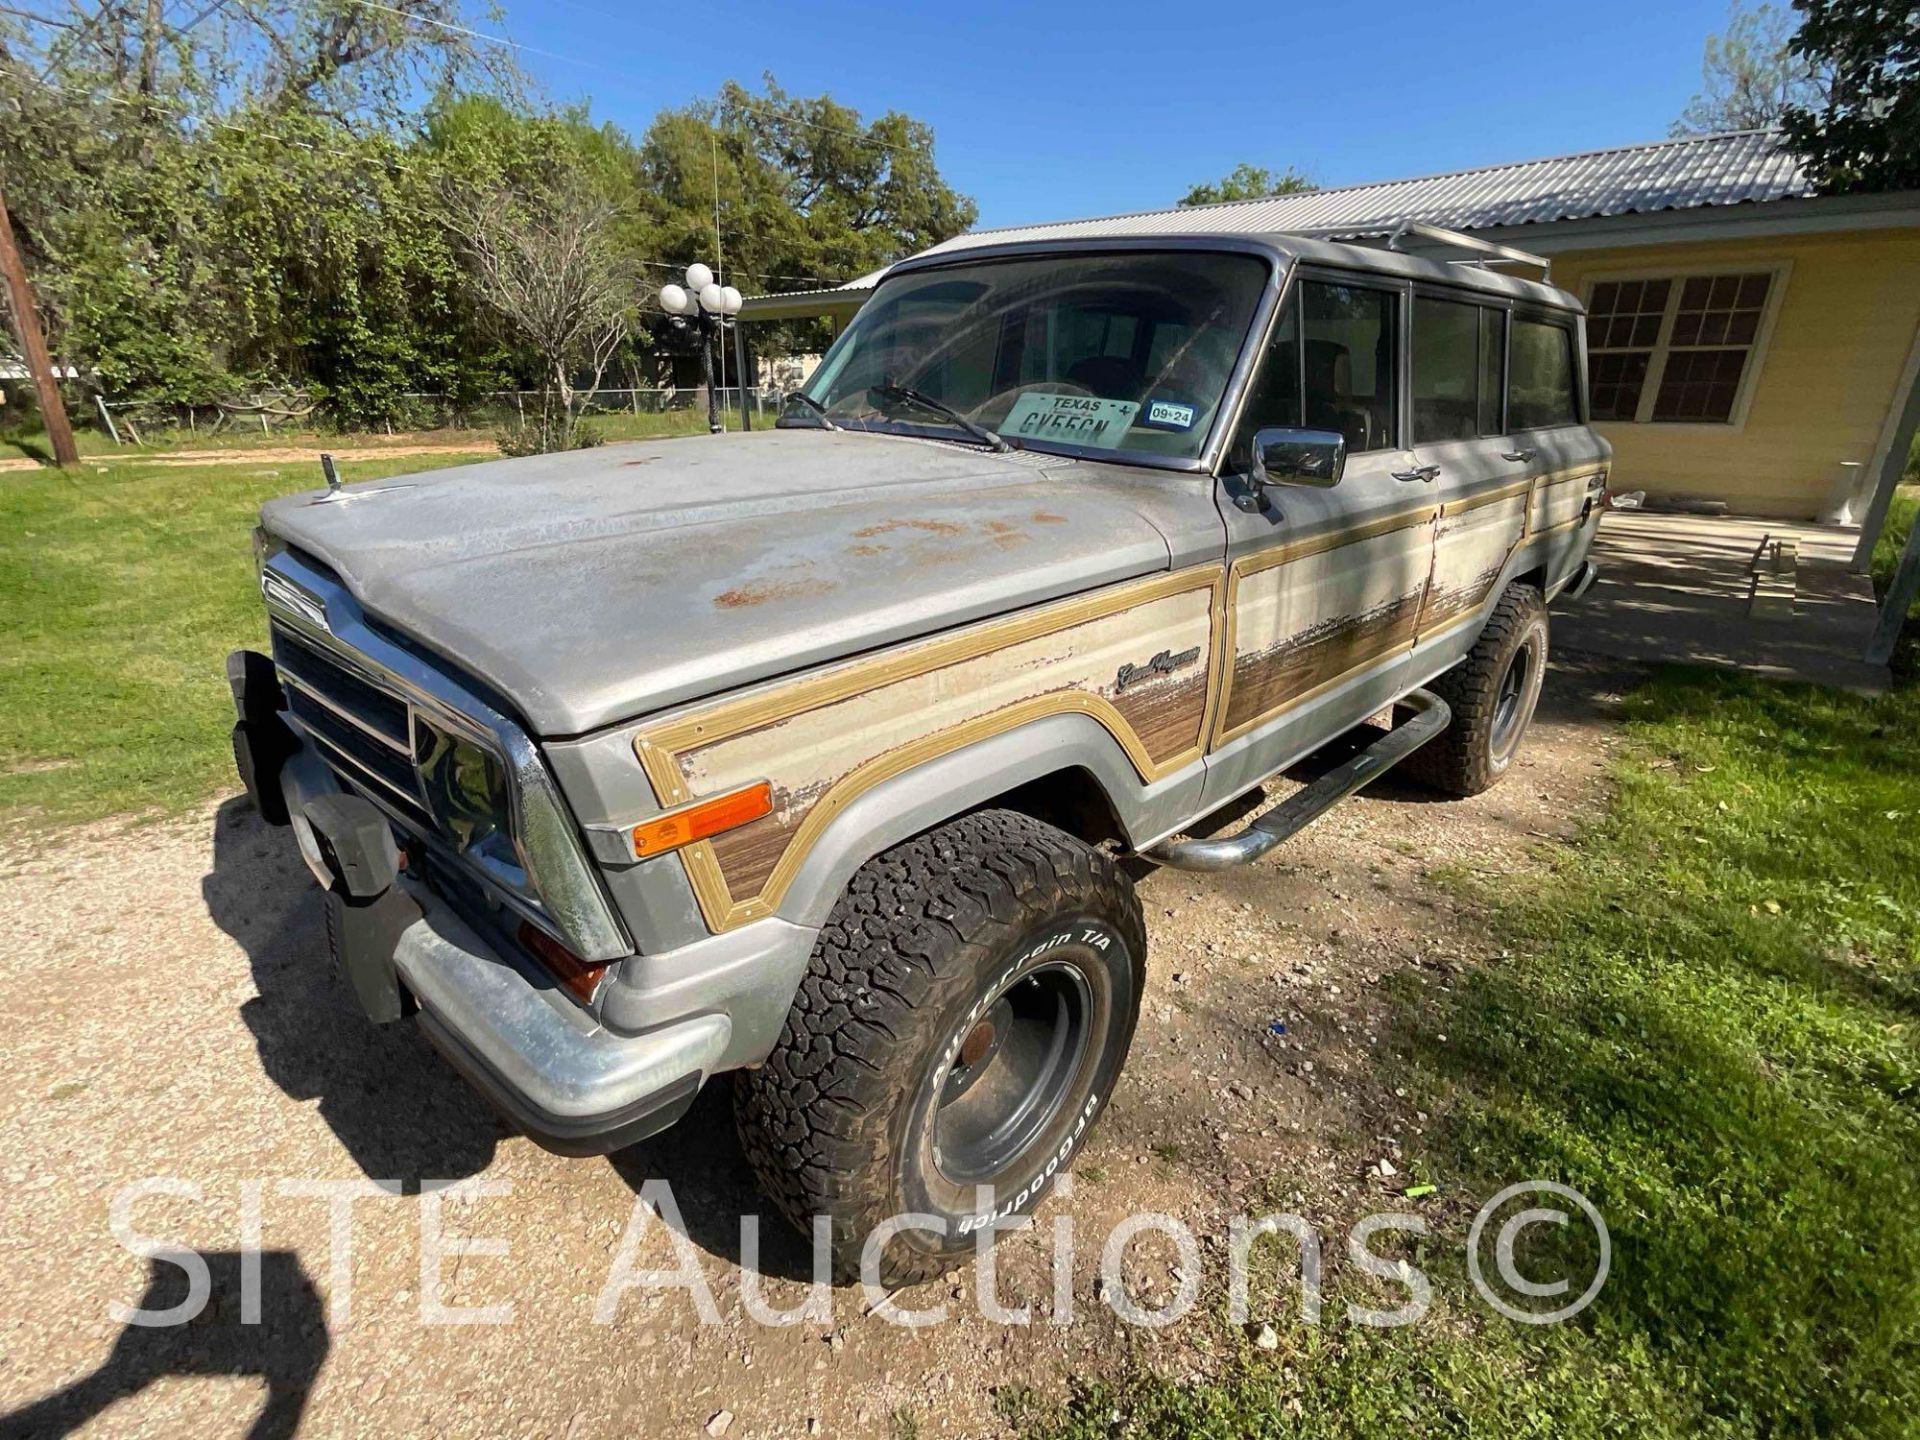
{"x":964,"y":779}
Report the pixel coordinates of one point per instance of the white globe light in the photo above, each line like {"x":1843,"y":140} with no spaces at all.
{"x":712,"y":300}
{"x":673,"y":300}
{"x":698,"y":277}
{"x":730,"y":300}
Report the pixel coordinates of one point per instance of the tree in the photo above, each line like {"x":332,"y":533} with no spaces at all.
{"x":1865,"y":134}
{"x":809,"y":192}
{"x":1752,"y":75}
{"x":1249,"y":182}
{"x":546,"y":257}
{"x":226,"y":199}
{"x":230,"y":201}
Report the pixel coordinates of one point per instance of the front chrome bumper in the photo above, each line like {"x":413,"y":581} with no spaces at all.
{"x":574,"y":1080}
{"x":562,"y":1078}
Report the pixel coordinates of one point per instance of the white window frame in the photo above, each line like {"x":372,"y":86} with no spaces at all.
{"x":1776,"y":269}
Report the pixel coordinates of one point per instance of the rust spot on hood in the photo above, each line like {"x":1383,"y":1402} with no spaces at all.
{"x":760,"y":592}
{"x":1047,"y":517}
{"x":931,"y":527}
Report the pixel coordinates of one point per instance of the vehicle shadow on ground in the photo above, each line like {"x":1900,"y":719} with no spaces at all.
{"x":395,"y":1105}
{"x":286,"y":1348}
{"x":714,"y":1186}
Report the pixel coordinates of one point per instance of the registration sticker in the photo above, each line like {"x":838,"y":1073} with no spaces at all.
{"x":1070,"y":419}
{"x":1169,"y":415}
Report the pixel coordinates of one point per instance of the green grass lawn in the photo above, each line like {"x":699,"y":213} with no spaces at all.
{"x":1706,"y":1023}
{"x":1893,"y":538}
{"x":124,"y":589}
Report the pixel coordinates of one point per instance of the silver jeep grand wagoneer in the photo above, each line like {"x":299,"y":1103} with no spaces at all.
{"x":821,"y":755}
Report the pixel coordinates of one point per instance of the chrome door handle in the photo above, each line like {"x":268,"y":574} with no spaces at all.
{"x":1522,"y":456}
{"x":1418,"y":472}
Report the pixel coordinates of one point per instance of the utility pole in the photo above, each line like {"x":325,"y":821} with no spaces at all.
{"x":33,"y":349}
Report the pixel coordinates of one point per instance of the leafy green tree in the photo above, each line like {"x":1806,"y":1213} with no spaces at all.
{"x":1865,"y":136}
{"x":254,"y":198}
{"x":809,"y":193}
{"x":1249,"y":182}
{"x":1751,"y":75}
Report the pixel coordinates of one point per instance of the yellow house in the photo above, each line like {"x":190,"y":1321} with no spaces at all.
{"x":1749,"y":342}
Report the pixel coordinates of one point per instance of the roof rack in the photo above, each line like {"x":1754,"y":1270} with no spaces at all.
{"x":1485,"y":252}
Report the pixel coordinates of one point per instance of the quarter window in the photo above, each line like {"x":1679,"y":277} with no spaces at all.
{"x":1674,"y":348}
{"x":1540,"y":390}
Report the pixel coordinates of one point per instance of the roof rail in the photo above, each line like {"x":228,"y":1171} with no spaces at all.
{"x":1485,"y":252}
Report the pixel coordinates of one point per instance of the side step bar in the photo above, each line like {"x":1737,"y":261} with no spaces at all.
{"x":1300,"y":809}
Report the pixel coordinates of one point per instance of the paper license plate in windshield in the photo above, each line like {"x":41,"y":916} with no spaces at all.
{"x":1069,"y":419}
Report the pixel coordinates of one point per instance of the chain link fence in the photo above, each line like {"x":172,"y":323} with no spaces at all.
{"x":128,"y":422}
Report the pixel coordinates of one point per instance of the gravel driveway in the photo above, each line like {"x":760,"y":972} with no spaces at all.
{"x":169,"y":1012}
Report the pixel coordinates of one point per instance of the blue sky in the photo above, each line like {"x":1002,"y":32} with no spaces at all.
{"x":1054,"y":112}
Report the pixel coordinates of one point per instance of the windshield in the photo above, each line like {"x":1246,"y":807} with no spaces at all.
{"x":1122,"y":352}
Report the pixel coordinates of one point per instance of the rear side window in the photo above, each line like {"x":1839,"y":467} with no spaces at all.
{"x":1540,"y":384}
{"x":1446,"y":370}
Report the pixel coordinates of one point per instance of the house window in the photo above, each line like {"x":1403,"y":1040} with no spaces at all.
{"x":1673,"y":348}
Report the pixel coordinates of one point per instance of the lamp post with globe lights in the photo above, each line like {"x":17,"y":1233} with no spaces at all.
{"x":703,"y":304}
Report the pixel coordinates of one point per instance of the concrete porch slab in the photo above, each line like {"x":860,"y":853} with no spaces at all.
{"x":1678,"y":587}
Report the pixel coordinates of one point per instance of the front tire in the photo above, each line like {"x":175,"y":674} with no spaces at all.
{"x":962,"y":1023}
{"x":1493,"y":693}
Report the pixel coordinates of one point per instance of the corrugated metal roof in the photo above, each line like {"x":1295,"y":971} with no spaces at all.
{"x":1736,"y":168}
{"x":1739,"y":167}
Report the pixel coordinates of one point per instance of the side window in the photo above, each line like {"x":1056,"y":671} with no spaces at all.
{"x":1274,"y":398}
{"x":1493,"y":360}
{"x":1446,"y":370}
{"x":1540,"y":384}
{"x":1348,"y":359}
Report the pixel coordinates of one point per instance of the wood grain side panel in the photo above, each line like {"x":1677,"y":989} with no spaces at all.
{"x":1470,"y":550}
{"x":1307,"y":621}
{"x":1160,"y":718}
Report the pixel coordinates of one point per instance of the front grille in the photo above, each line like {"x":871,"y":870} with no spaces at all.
{"x":361,"y":730}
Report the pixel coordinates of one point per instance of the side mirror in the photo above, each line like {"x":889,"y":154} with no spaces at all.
{"x":1299,"y":457}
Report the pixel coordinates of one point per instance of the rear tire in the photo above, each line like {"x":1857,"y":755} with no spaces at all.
{"x":962,"y":1023}
{"x":1493,"y":693}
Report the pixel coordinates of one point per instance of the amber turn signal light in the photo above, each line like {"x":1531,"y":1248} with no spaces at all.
{"x":698,"y":821}
{"x":575,"y":975}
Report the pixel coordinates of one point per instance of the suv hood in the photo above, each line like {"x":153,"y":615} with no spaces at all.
{"x":594,"y":586}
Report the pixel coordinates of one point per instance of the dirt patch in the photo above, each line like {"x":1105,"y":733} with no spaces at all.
{"x":171,"y":1011}
{"x":33,"y":765}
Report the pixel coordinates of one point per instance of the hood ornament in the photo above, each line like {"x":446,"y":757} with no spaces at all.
{"x":337,"y":492}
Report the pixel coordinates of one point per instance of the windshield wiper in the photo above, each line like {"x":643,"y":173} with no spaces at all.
{"x":815,"y":406}
{"x":946,"y":412}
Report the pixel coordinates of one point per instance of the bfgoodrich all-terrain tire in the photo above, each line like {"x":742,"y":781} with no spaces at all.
{"x":1493,"y":693}
{"x":961,"y":1024}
